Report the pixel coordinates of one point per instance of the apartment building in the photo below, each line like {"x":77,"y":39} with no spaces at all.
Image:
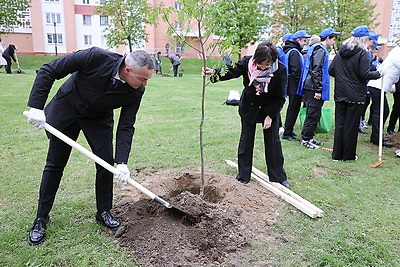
{"x":63,"y":26}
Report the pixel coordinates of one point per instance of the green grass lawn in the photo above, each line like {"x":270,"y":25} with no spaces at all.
{"x":361,"y":226}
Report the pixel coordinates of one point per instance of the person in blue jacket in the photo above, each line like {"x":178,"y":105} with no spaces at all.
{"x":315,"y":85}
{"x":294,"y":63}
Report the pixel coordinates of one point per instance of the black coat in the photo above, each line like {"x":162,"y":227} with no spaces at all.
{"x":313,"y":80}
{"x":294,"y":66}
{"x":87,"y":96}
{"x":250,"y":105}
{"x":351,"y":69}
{"x":9,"y":53}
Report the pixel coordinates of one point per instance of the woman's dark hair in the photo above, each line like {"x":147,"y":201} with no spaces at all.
{"x":265,"y":50}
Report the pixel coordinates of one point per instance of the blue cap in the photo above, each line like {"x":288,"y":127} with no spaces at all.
{"x":328,"y":31}
{"x":373,"y":36}
{"x":287,"y":37}
{"x":300,"y":34}
{"x":360,"y":31}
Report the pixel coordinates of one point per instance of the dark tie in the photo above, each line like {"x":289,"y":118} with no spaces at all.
{"x":116,"y":83}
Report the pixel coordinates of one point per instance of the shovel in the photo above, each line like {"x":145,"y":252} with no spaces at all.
{"x":380,"y":152}
{"x":19,"y":69}
{"x":114,"y":170}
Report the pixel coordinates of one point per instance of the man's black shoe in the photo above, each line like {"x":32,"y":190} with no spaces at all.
{"x":285,"y":184}
{"x":390,"y":132}
{"x":384,"y":143}
{"x":290,"y":138}
{"x":38,"y":231}
{"x":105,"y":218}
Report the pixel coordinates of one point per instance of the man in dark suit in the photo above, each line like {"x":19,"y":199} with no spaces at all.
{"x":100,"y":82}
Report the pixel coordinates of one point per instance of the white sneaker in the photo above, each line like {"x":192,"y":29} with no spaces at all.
{"x":309,"y":144}
{"x":397,"y":152}
{"x":316,"y":142}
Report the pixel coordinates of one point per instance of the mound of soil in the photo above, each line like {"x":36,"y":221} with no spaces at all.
{"x":394,"y":139}
{"x":220,"y":227}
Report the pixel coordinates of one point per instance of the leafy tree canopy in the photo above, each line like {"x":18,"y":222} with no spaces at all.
{"x":11,"y":14}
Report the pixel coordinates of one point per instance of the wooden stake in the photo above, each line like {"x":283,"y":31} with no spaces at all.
{"x":301,"y":206}
{"x":264,"y":176}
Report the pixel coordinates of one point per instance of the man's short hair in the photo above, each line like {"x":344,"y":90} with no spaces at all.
{"x":138,"y":59}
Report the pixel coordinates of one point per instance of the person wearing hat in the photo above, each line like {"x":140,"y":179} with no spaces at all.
{"x":375,"y":60}
{"x":374,"y":90}
{"x":314,"y":85}
{"x":351,"y":70}
{"x":294,"y":65}
{"x":281,"y":53}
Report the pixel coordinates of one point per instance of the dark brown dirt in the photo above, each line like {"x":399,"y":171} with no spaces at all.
{"x":394,"y":139}
{"x":229,"y":218}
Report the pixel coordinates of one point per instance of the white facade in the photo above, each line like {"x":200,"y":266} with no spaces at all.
{"x":394,"y":30}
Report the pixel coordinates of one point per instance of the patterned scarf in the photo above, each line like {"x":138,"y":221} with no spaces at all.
{"x":260,"y":78}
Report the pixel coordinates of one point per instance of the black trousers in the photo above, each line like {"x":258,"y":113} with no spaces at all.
{"x":175,"y":68}
{"x":272,"y":147}
{"x":313,"y":114}
{"x":395,"y":114}
{"x":8,"y":67}
{"x":347,"y":121}
{"x":375,"y":107}
{"x":56,"y":161}
{"x":292,"y":113}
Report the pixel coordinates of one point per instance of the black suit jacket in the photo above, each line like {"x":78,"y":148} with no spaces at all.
{"x":252,"y":106}
{"x":87,"y":96}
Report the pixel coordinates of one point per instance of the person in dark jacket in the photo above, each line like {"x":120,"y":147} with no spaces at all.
{"x":294,"y":64}
{"x":100,"y":82}
{"x":175,"y":60}
{"x":351,"y":70}
{"x":264,"y":81}
{"x":9,"y":54}
{"x":395,"y":113}
{"x":158,"y":63}
{"x":315,"y":85}
{"x":374,"y":90}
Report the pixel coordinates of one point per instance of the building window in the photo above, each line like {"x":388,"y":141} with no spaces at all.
{"x":54,"y":38}
{"x":178,"y":25}
{"x":103,"y":40}
{"x":52,"y":1}
{"x":53,"y":17}
{"x":87,"y":2}
{"x":103,"y":20}
{"x":88,"y":39}
{"x":178,"y":6}
{"x":87,"y":20}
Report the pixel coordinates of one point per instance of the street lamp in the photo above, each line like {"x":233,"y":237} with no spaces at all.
{"x":55,"y":37}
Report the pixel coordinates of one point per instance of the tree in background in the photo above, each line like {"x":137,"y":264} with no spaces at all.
{"x":316,"y":15}
{"x":236,"y":28}
{"x":12,"y":14}
{"x":127,"y":22}
{"x":293,"y":15}
{"x":345,"y":15}
{"x":238,"y":23}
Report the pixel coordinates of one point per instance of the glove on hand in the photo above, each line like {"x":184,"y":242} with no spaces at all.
{"x":381,"y":69}
{"x":36,"y":117}
{"x":124,"y":174}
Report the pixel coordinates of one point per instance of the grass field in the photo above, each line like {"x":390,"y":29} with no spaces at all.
{"x":361,"y":226}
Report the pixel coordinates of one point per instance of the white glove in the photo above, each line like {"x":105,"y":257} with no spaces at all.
{"x":124,"y":173}
{"x":36,"y":117}
{"x":381,"y":69}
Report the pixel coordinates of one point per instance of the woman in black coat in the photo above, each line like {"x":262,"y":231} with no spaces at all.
{"x":351,"y":70}
{"x":265,"y":82}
